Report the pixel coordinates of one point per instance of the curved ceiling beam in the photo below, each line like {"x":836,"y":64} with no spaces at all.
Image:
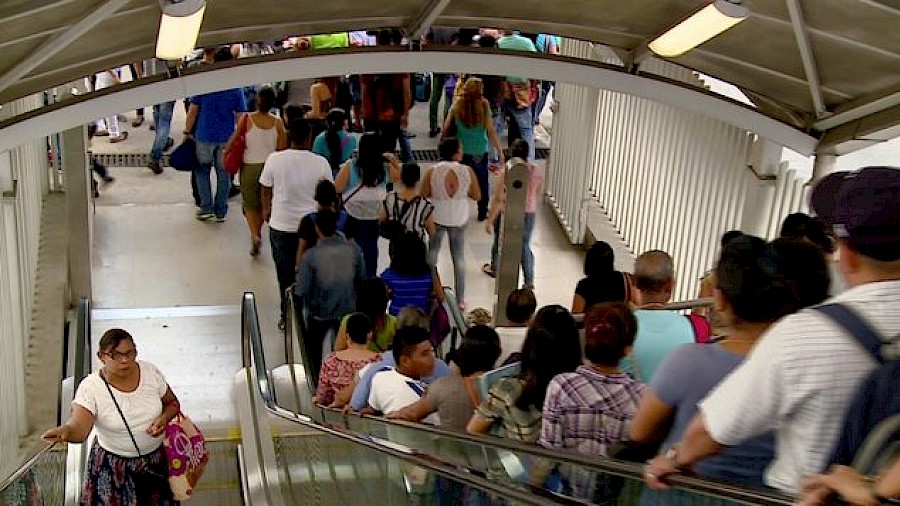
{"x":290,"y":66}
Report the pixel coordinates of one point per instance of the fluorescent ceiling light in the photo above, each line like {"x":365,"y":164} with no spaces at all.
{"x":179,"y":28}
{"x":701,"y":26}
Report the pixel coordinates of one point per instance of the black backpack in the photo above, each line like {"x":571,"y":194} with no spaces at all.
{"x":873,"y":414}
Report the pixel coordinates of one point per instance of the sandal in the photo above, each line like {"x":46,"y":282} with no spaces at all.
{"x":120,"y":138}
{"x":486,"y":268}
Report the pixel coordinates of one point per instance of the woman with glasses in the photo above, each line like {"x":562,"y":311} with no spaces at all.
{"x":129,"y":403}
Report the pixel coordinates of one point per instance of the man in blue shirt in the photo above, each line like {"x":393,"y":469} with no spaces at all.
{"x":210,"y":121}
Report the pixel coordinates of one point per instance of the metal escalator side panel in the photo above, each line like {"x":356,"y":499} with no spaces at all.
{"x":260,"y":464}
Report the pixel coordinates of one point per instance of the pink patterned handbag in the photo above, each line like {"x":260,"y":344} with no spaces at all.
{"x":187,"y":455}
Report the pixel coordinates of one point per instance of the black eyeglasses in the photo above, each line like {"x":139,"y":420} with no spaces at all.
{"x":120,"y":355}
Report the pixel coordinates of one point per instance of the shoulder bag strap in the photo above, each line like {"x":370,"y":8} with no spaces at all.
{"x":470,"y":390}
{"x":854,"y":325}
{"x":128,"y":427}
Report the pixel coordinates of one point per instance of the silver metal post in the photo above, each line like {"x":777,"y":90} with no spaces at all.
{"x":78,"y":197}
{"x":513,"y":222}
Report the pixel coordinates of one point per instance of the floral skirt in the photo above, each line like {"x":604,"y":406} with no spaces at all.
{"x":113,"y":480}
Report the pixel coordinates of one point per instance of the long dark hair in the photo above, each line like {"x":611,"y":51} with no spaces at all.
{"x":551,"y":347}
{"x":409,"y":255}
{"x":370,"y":161}
{"x":764,"y":282}
{"x":335,"y":123}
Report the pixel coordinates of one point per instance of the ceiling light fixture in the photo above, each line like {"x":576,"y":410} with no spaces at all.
{"x":179,"y":28}
{"x":706,"y":23}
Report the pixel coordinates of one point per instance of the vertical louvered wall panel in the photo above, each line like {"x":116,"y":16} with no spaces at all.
{"x":20,"y":227}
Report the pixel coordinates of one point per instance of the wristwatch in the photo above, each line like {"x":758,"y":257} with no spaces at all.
{"x":672,"y":455}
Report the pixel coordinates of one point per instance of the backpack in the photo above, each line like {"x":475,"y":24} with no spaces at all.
{"x":341,"y":220}
{"x":877,"y":399}
{"x":393,"y":227}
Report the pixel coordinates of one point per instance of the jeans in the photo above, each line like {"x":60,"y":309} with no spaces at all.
{"x":284,"y":253}
{"x":162,"y":117}
{"x":527,"y":254}
{"x":405,"y":148}
{"x":365,"y":234}
{"x":209,"y":154}
{"x":538,"y":106}
{"x":521,"y":125}
{"x":437,"y":91}
{"x":479,"y":164}
{"x":457,"y":254}
{"x":316,"y":332}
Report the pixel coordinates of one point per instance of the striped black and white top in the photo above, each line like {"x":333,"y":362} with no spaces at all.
{"x":799,"y":381}
{"x":412,"y":213}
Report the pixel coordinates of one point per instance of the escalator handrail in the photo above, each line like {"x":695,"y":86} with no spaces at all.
{"x":83,"y":342}
{"x":253,"y":356}
{"x":605,"y":465}
{"x":43,"y":449}
{"x":455,"y":312}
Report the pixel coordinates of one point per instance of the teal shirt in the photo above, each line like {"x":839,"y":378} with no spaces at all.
{"x":659,"y":333}
{"x":474,"y":139}
{"x":348,"y":145}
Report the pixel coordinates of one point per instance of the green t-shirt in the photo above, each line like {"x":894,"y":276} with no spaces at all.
{"x":383,"y":338}
{"x":329,"y":41}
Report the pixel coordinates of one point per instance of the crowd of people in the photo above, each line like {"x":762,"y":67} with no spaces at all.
{"x":770,"y":400}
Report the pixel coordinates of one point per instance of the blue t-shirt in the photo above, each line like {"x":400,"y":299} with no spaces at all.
{"x":216,"y":118}
{"x":681,"y":382}
{"x":544,"y":41}
{"x":361,"y":393}
{"x":659,"y":332}
{"x":407,"y":291}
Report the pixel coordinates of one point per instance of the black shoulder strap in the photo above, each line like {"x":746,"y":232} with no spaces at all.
{"x":851,"y":322}
{"x":128,"y":427}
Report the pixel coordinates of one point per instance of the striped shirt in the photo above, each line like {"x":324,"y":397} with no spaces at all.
{"x":408,"y":291}
{"x":800,"y":380}
{"x":588,"y":412}
{"x":413,"y":214}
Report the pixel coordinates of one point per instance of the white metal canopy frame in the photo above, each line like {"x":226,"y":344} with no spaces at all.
{"x":827,"y":67}
{"x":288,"y":66}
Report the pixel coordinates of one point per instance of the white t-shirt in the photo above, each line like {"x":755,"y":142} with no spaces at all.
{"x":799,"y":380}
{"x":450,"y":210}
{"x":140,"y":407}
{"x":511,"y":339}
{"x":392,"y":391}
{"x":293,"y":175}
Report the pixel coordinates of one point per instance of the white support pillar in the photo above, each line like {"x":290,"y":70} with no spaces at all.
{"x":823,"y":164}
{"x":763,"y":172}
{"x":78,"y":195}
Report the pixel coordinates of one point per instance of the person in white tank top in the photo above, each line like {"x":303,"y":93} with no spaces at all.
{"x":264,"y":134}
{"x":452,"y":187}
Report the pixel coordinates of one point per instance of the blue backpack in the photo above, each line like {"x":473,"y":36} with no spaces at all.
{"x":876,"y":402}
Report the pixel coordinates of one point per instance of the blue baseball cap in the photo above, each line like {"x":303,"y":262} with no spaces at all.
{"x":862,"y":208}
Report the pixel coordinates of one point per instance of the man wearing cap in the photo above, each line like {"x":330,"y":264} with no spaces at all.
{"x":803,"y":374}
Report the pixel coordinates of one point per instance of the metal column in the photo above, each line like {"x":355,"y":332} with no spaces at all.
{"x":78,"y":197}
{"x":511,"y":237}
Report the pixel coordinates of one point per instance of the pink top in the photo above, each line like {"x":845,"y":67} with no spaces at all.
{"x":337,"y":374}
{"x":535,"y":181}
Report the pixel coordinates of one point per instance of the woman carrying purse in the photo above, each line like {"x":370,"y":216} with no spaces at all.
{"x":129,"y":403}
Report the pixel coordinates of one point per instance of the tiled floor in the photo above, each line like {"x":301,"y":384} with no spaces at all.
{"x":176,"y":283}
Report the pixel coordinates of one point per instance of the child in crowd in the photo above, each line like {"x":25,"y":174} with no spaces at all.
{"x":394,"y":388}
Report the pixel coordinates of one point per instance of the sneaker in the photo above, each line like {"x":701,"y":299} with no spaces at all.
{"x":108,"y":180}
{"x":220,"y":219}
{"x":205,"y":216}
{"x":528,"y":286}
{"x":155,"y":167}
{"x":434,"y":132}
{"x":234,"y":191}
{"x":281,"y":324}
{"x":137,"y":122}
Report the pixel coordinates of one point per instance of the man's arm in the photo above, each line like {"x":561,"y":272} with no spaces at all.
{"x":191,"y":120}
{"x":266,"y":202}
